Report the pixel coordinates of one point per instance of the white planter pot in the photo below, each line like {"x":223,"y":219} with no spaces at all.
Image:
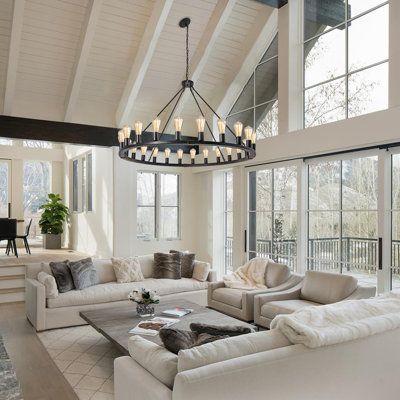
{"x":51,"y":241}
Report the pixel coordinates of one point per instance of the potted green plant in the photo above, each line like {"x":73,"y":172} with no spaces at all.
{"x":52,"y":221}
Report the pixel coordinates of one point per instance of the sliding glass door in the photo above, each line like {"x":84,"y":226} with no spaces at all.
{"x":5,"y":187}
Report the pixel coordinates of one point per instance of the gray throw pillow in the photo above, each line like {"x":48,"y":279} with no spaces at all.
{"x":167,"y":266}
{"x":83,"y":273}
{"x":62,"y":275}
{"x":187,"y":263}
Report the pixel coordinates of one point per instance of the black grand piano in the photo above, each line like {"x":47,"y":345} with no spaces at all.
{"x":8,"y":231}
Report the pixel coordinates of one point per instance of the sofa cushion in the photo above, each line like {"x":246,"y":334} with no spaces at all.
{"x":62,"y":275}
{"x":232,"y":297}
{"x":83,"y":273}
{"x":233,"y":347}
{"x":273,"y":308}
{"x":327,"y":288}
{"x":201,"y":270}
{"x":276,"y":274}
{"x":49,"y":283}
{"x":147,"y":265}
{"x":157,"y":360}
{"x":187,"y":263}
{"x":127,"y":269}
{"x":167,"y":265}
{"x":105,"y":270}
{"x":113,"y":291}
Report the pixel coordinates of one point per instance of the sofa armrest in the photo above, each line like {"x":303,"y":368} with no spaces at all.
{"x":290,"y":294}
{"x":212,"y":276}
{"x":35,"y":303}
{"x":132,"y":380}
{"x":211,"y":287}
{"x":362,"y":292}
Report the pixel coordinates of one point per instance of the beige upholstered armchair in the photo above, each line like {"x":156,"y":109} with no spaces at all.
{"x":239,"y":303}
{"x":317,"y":288}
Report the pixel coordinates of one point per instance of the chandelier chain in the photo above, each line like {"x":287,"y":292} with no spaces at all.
{"x":187,"y":52}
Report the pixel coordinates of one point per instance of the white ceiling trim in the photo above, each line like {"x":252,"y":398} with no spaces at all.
{"x":143,"y":58}
{"x":213,"y":29}
{"x":94,"y":9}
{"x":259,"y":45}
{"x":13,"y":55}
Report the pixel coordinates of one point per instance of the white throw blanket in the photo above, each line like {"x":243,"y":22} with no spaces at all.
{"x":318,"y":326}
{"x":249,"y":276}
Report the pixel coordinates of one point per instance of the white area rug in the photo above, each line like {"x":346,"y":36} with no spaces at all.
{"x":85,"y":358}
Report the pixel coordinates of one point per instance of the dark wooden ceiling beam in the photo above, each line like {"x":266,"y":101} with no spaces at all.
{"x":273,"y":3}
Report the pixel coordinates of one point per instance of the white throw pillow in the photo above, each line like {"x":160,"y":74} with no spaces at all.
{"x":157,"y":360}
{"x":201,"y":270}
{"x":49,"y":283}
{"x":127,"y":269}
{"x":233,"y":347}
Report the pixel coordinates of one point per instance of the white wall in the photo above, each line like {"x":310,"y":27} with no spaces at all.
{"x":92,"y":232}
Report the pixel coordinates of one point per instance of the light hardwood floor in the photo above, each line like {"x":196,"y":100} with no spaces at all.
{"x":39,"y":377}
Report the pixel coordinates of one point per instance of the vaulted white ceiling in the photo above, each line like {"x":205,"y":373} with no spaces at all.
{"x":110,"y":62}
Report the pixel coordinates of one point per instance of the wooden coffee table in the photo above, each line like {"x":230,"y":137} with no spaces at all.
{"x":114,"y":323}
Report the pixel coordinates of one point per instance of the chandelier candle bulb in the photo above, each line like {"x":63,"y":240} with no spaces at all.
{"x":248,"y":133}
{"x":192,"y":155}
{"x":156,"y":128}
{"x":200,"y":122}
{"x":178,"y":121}
{"x":238,"y":127}
{"x":218,"y":154}
{"x":180,"y":155}
{"x":138,"y":131}
{"x":126,"y":130}
{"x":205,"y":155}
{"x":253,"y":140}
{"x":221,"y":128}
{"x":239,"y":154}
{"x":229,"y":152}
{"x":167,"y":153}
{"x":155,"y":153}
{"x":121,"y":138}
{"x":143,"y":150}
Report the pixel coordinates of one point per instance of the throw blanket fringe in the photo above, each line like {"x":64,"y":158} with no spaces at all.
{"x":319,"y":326}
{"x":249,"y":276}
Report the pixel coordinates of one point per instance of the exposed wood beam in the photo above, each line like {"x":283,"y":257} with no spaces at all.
{"x":153,"y":30}
{"x":13,"y":55}
{"x":273,"y":3}
{"x":212,"y":31}
{"x":263,"y":33}
{"x":93,"y":13}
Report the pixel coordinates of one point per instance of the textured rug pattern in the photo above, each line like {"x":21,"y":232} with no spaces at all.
{"x":9,"y":386}
{"x":85,"y":358}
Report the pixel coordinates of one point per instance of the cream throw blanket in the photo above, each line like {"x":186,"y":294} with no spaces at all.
{"x":249,"y":276}
{"x":318,"y":326}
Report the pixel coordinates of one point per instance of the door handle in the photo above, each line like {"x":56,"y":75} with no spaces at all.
{"x":9,"y":210}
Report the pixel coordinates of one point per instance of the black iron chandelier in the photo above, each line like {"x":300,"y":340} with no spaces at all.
{"x":158,"y":148}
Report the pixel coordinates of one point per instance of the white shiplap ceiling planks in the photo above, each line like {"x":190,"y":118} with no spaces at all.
{"x":108,"y":62}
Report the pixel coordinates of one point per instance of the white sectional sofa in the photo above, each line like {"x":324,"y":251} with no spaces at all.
{"x":63,"y":310}
{"x":271,"y":368}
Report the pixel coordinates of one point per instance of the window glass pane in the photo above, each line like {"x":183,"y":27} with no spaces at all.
{"x":360,"y":183}
{"x":145,"y":189}
{"x":396,"y":239}
{"x":6,"y":142}
{"x":229,"y":191}
{"x":37,"y":144}
{"x":272,"y":49}
{"x":357,"y":7}
{"x":229,"y":224}
{"x":83,"y":180}
{"x":266,"y":120}
{"x":264,"y":190}
{"x":324,"y":57}
{"x":396,"y":182}
{"x":369,"y":39}
{"x":36,"y":187}
{"x":360,"y":224}
{"x":285,"y":188}
{"x":285,"y":238}
{"x":169,"y":190}
{"x":75,"y":185}
{"x":260,"y":229}
{"x":246,"y":98}
{"x":245,"y":117}
{"x":325,"y":103}
{"x":169,"y":222}
{"x":320,"y":15}
{"x":145,"y":223}
{"x":323,"y":225}
{"x":368,"y":90}
{"x":324,"y":185}
{"x":4,"y":188}
{"x":266,"y":81}
{"x":89,"y":183}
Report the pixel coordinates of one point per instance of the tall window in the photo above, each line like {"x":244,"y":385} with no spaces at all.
{"x":343,"y":216}
{"x":82,"y":183}
{"x":257,"y":105}
{"x":395,"y":213}
{"x":158,"y":206}
{"x":5,"y":170}
{"x":345,"y":59}
{"x":228,"y":221}
{"x":273,"y":214}
{"x":37,"y":185}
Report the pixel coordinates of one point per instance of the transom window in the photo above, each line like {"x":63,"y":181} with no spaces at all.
{"x":257,"y":104}
{"x":158,"y":206}
{"x":345,"y":59}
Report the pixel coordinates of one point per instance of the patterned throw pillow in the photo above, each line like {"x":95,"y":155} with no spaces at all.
{"x":127,"y":269}
{"x":167,"y":266}
{"x":83,"y":273}
{"x":187,"y":263}
{"x":62,"y":275}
